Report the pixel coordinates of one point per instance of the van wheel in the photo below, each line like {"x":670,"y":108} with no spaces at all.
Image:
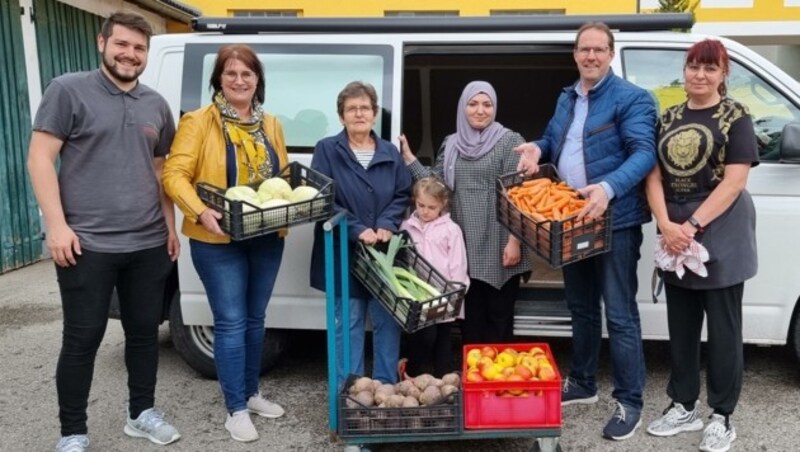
{"x":195,"y":343}
{"x":795,"y":336}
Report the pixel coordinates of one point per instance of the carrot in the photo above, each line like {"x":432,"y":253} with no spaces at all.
{"x":536,"y":182}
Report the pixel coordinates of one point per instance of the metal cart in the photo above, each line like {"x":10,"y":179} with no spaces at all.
{"x":546,"y":438}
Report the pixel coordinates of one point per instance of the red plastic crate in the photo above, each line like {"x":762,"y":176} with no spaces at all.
{"x":540,"y":406}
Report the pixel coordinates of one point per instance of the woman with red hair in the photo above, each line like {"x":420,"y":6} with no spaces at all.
{"x":704,"y":214}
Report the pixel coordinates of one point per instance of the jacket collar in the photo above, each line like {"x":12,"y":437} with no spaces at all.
{"x":413,"y":220}
{"x":597,"y":90}
{"x":381,"y":149}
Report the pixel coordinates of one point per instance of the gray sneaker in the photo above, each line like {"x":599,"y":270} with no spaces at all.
{"x":257,"y":404}
{"x":718,"y":436}
{"x":675,"y":420}
{"x":151,"y":425}
{"x":73,"y":443}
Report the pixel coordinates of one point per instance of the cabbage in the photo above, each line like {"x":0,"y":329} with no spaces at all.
{"x":243,"y":193}
{"x":303,"y":193}
{"x":275,"y":187}
{"x":273,"y":218}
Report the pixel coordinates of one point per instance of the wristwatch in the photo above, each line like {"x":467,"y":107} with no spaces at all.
{"x":696,"y":224}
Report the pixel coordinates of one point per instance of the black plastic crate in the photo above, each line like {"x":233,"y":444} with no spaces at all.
{"x":410,"y":314}
{"x":242,"y":220}
{"x":444,"y":417}
{"x":558,"y":242}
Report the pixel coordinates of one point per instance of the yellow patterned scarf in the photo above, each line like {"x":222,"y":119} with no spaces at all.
{"x":248,"y":139}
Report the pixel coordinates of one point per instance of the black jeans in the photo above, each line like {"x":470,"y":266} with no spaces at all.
{"x":489,"y":313}
{"x":86,"y":290}
{"x":723,"y":311}
{"x":430,"y":345}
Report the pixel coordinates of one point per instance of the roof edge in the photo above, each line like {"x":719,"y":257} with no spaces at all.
{"x":171,"y":9}
{"x":420,"y":24}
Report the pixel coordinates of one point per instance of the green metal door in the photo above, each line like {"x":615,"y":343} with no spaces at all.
{"x":20,"y":237}
{"x":66,"y":38}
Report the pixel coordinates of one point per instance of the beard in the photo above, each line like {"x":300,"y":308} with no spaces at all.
{"x":111,"y":65}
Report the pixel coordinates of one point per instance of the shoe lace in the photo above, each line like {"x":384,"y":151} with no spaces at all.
{"x":567,"y":383}
{"x":152,"y":419}
{"x":619,"y":412}
{"x":715,"y":433}
{"x":672,"y":414}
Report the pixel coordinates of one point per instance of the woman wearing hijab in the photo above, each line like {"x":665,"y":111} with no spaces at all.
{"x":474,"y":157}
{"x":231,"y":142}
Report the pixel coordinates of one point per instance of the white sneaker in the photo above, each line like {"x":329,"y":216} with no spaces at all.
{"x":241,"y":427}
{"x":675,"y":420}
{"x":257,"y":404}
{"x":151,"y":425}
{"x":717,"y":437}
{"x":73,"y":443}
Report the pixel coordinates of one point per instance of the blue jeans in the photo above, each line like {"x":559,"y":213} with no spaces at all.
{"x":385,"y":340}
{"x":238,"y":278}
{"x":612,"y":276}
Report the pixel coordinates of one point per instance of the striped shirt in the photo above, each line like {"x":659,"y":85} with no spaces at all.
{"x":364,"y":156}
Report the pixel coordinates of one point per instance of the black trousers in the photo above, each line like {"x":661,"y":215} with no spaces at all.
{"x":430,"y":350}
{"x":86,"y":290}
{"x":725,"y":363}
{"x":489,"y":313}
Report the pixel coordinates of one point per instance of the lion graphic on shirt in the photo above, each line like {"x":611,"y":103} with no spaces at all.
{"x":684,"y":147}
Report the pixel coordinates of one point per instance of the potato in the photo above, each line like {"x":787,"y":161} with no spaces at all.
{"x":365,"y":398}
{"x":404,"y":386}
{"x":423,"y":381}
{"x":361,"y":384}
{"x":430,"y":395}
{"x":451,"y":379}
{"x":448,"y":389}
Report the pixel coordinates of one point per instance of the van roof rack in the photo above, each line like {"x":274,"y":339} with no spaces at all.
{"x":440,"y":24}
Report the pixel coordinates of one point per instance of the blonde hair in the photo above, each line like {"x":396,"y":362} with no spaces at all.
{"x":434,"y":187}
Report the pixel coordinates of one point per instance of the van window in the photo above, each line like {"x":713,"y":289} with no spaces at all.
{"x":297,"y":93}
{"x":661,"y":72}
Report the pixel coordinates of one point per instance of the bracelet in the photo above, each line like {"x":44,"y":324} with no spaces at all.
{"x":696,"y":224}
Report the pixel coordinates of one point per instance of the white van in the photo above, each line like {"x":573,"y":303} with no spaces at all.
{"x":419,"y":67}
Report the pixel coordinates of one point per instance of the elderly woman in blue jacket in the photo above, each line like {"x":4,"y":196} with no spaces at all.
{"x":373,"y":186}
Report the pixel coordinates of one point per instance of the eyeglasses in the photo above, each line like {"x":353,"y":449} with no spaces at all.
{"x":246,"y":76}
{"x":362,"y":109}
{"x":599,"y":51}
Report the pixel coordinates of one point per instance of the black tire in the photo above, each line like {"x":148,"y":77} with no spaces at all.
{"x":794,"y":337}
{"x":195,"y":343}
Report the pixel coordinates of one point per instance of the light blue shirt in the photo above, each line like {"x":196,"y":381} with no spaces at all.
{"x":571,"y":166}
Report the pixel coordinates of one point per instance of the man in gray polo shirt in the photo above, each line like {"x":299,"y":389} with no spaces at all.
{"x":108,"y":223}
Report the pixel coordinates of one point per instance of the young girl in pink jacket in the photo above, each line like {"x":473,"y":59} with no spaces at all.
{"x":440,"y":241}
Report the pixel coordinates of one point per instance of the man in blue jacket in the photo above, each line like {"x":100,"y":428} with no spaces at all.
{"x":602,"y":139}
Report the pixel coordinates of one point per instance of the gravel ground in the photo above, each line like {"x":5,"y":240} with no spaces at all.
{"x":767,"y":418}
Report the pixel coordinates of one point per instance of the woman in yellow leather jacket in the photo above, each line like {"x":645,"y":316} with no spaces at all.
{"x":231,"y":142}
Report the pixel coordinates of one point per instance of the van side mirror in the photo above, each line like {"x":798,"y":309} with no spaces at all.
{"x":790,"y":143}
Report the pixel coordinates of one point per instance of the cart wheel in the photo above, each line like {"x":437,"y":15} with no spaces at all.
{"x":546,"y":445}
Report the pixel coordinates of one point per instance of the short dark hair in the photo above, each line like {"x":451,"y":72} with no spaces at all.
{"x":710,"y":51}
{"x":357,"y":89}
{"x":248,"y":57}
{"x":129,"y":20}
{"x":596,"y":26}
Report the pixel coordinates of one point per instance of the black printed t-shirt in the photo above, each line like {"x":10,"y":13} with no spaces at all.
{"x":695,"y":145}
